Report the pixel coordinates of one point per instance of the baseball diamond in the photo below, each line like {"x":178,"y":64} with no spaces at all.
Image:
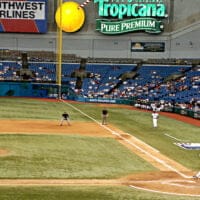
{"x":164,"y":175}
{"x":99,"y":100}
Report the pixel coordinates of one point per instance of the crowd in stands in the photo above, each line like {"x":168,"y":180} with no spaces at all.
{"x":161,"y":105}
{"x":169,"y":84}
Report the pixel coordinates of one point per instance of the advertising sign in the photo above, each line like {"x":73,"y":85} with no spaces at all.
{"x":23,"y":16}
{"x":122,"y":16}
{"x":147,"y":46}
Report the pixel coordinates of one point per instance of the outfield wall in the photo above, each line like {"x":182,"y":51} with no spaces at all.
{"x":39,"y":90}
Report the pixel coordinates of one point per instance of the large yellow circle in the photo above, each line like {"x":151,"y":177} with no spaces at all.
{"x":70,"y":17}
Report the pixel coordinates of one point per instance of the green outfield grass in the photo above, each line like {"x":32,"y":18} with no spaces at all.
{"x":20,"y":108}
{"x":66,"y":156}
{"x":76,"y":156}
{"x":139,"y":124}
{"x":136,"y":123}
{"x":82,"y":193}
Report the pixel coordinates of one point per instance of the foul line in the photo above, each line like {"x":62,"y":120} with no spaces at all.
{"x":144,"y":143}
{"x":168,"y":193}
{"x":132,"y":144}
{"x":179,"y":140}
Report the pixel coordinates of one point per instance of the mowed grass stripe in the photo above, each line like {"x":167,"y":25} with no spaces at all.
{"x":61,"y":156}
{"x":139,"y":124}
{"x":133,"y":122}
{"x":83,"y":193}
{"x":23,"y":108}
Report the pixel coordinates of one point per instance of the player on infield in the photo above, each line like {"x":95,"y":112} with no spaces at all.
{"x":65,"y":117}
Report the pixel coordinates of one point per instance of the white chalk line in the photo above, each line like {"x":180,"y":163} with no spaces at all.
{"x":180,"y":185}
{"x":180,"y":181}
{"x":177,"y":139}
{"x":144,"y":143}
{"x":177,"y":183}
{"x":132,"y":144}
{"x":160,"y":192}
{"x":165,"y":181}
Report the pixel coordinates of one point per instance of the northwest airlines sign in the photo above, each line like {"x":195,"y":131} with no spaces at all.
{"x":23,"y":16}
{"x":130,"y":15}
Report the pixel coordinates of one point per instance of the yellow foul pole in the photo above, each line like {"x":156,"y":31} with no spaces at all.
{"x":59,"y":53}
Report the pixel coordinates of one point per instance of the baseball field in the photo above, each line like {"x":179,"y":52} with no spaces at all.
{"x":127,"y":159}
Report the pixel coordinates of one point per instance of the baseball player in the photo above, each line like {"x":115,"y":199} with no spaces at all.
{"x":65,"y":117}
{"x":155,"y":117}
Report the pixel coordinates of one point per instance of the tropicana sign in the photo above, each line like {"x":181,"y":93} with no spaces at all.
{"x":129,"y":16}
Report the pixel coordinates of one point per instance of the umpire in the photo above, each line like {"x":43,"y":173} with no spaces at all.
{"x":104,"y":116}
